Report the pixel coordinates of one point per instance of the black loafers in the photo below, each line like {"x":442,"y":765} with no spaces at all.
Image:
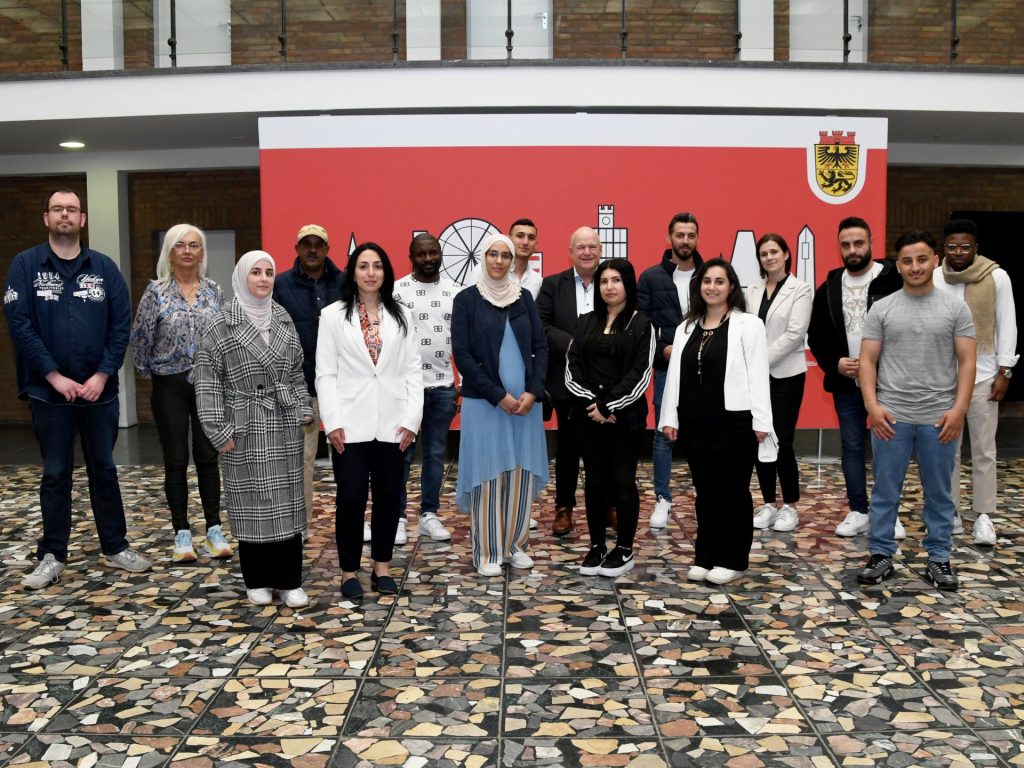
{"x":351,"y":588}
{"x":384,"y":585}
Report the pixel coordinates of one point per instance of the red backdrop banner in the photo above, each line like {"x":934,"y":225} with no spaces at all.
{"x":387,"y":178}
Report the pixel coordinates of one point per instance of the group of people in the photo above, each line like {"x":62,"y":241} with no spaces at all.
{"x":385,"y":364}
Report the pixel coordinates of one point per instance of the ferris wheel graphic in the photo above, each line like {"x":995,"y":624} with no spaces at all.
{"x":461,"y":242}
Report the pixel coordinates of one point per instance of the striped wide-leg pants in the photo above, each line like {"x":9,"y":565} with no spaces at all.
{"x":500,"y":516}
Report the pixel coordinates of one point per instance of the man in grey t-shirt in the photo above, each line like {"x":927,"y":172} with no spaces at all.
{"x":917,"y":359}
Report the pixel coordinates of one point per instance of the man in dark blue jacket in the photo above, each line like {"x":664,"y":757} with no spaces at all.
{"x":663,"y":294}
{"x":311,"y":284}
{"x":69,"y":314}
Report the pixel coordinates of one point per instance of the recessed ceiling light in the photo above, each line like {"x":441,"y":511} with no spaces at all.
{"x":72,"y":145}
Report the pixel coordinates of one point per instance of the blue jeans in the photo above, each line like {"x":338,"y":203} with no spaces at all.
{"x":852,"y":434}
{"x":889,"y":466}
{"x":438,"y":412}
{"x":661,"y":450}
{"x":55,"y":427}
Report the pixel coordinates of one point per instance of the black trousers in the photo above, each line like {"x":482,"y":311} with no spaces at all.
{"x":174,"y":409}
{"x":567,"y":455}
{"x":786,"y":396}
{"x":272,"y":564}
{"x":360,"y":468}
{"x":610,"y":456}
{"x":721,"y":479}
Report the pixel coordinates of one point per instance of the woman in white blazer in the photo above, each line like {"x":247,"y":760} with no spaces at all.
{"x":784,"y":305}
{"x":717,"y":403}
{"x":370,"y":389}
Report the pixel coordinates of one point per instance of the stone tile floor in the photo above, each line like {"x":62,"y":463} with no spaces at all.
{"x":793,"y":665}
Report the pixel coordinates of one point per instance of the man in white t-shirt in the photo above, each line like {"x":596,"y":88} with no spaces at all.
{"x":523,"y":234}
{"x":837,"y":320}
{"x":429,"y":296}
{"x":986,"y":288}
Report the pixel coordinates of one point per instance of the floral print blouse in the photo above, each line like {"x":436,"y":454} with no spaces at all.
{"x":371,"y":330}
{"x":167,"y":329}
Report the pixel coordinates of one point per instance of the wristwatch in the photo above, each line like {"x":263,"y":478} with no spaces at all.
{"x":1008,"y":373}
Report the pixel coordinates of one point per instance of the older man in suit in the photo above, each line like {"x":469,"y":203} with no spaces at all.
{"x":564,"y":297}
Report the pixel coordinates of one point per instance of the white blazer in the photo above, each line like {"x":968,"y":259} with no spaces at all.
{"x":786,"y":325}
{"x":746,"y":372}
{"x":370,"y":402}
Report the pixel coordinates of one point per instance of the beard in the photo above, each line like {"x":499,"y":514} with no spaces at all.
{"x":855,"y":262}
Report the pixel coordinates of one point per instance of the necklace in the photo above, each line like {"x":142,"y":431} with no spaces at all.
{"x":707,"y":334}
{"x":189,"y":294}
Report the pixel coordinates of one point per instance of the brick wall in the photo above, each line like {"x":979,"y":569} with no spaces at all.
{"x":22,"y":200}
{"x":138,"y":35}
{"x":30,"y":37}
{"x":225,"y":199}
{"x":922,"y":198}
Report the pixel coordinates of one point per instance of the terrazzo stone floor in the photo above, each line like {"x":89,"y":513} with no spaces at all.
{"x":792,"y":665}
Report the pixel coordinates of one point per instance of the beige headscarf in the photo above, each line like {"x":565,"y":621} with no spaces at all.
{"x":503,"y":292}
{"x":259,"y":311}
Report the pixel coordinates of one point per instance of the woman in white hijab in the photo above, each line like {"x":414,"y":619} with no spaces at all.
{"x":499,"y":347}
{"x":253,"y":402}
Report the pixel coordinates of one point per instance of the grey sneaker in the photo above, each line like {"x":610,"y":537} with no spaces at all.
{"x":129,"y":560}
{"x":941,"y":575}
{"x":878,"y":568}
{"x":47,"y":572}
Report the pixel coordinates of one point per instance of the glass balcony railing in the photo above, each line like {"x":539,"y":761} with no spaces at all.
{"x":45,"y":37}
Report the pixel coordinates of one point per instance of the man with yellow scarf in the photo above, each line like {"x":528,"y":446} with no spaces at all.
{"x":986,"y":289}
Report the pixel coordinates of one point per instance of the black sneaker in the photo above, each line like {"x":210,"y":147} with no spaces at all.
{"x":616,"y":563}
{"x":593,"y":560}
{"x":941,"y":575}
{"x":878,"y":569}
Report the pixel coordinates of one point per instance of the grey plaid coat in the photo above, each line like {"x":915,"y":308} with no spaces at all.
{"x":255,"y":394}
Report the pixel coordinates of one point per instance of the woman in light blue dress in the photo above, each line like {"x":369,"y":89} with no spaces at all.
{"x":499,"y":347}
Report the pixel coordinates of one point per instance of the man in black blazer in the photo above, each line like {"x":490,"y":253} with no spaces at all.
{"x":564,"y":297}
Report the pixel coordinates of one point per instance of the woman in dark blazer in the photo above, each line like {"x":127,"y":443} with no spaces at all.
{"x":499,"y":346}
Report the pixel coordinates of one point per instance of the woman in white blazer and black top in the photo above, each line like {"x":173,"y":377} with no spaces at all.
{"x":717,"y":404}
{"x":370,"y":389}
{"x":784,"y":305}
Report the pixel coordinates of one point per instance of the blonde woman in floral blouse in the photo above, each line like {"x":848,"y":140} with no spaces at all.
{"x":174,"y":313}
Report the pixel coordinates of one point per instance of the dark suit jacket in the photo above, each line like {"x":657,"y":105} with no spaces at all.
{"x":556,"y":304}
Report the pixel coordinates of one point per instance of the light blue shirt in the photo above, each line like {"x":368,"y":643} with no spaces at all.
{"x":584,"y":294}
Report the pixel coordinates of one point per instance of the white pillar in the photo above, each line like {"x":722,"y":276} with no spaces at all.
{"x":107,"y":192}
{"x":102,"y":34}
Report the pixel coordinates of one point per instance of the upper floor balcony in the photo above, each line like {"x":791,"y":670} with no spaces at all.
{"x":43,"y":38}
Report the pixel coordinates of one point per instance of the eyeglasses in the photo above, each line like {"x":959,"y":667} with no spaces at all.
{"x":501,"y":255}
{"x":960,"y":247}
{"x":57,"y":210}
{"x":193,"y":246}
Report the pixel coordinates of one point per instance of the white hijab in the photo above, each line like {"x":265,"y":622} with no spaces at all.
{"x":503,"y":292}
{"x":259,"y":311}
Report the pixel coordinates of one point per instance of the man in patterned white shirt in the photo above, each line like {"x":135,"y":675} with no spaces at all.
{"x":429,"y":296}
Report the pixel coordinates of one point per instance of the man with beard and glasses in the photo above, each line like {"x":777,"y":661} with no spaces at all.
{"x":428,"y":296}
{"x":837,"y":321}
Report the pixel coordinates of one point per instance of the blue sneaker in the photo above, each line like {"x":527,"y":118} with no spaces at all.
{"x":183,"y":551}
{"x":215,"y":544}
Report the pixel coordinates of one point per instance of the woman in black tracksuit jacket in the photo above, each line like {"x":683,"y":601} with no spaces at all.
{"x":608,"y":369}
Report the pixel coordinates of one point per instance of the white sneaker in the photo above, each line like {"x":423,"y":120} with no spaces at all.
{"x":183,"y":551}
{"x":259,"y":596}
{"x":984,"y":531}
{"x":367,"y":534}
{"x":434,"y":528}
{"x":958,"y":524}
{"x":787,"y":519}
{"x":216,"y":544}
{"x":489,"y":569}
{"x":47,"y":572}
{"x":521,"y":560}
{"x":659,"y":517}
{"x":402,"y":534}
{"x":533,"y":523}
{"x":129,"y":560}
{"x":855,"y":522}
{"x":697,"y":573}
{"x":899,"y":532}
{"x":765,"y":515}
{"x":719,"y":575}
{"x":295,"y":598}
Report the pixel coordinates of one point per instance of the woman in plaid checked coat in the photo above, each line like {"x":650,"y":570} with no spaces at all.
{"x":252,"y":403}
